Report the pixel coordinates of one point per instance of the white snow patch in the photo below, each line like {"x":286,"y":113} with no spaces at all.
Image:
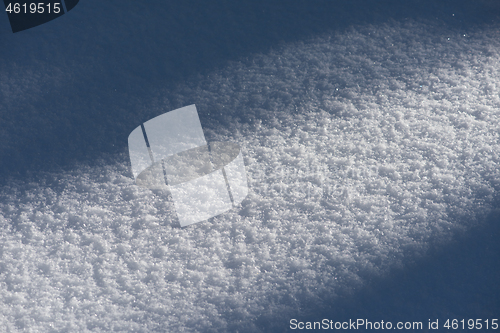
{"x":361,"y":148}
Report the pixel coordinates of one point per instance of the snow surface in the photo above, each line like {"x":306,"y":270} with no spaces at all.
{"x":364,"y":147}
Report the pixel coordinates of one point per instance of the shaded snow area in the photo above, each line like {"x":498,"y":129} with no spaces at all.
{"x":363,"y":149}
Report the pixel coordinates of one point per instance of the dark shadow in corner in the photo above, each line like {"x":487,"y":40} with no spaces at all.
{"x":458,"y":280}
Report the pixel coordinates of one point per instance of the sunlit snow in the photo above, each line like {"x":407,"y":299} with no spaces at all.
{"x":362,"y":148}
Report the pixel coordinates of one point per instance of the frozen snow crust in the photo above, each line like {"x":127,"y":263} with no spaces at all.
{"x":361,"y":149}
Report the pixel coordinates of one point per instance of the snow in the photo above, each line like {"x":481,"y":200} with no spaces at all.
{"x":365,"y":148}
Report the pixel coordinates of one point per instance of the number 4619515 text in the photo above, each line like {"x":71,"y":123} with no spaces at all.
{"x":33,"y":8}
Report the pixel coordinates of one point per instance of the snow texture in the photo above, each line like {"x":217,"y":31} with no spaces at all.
{"x":362,"y":148}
